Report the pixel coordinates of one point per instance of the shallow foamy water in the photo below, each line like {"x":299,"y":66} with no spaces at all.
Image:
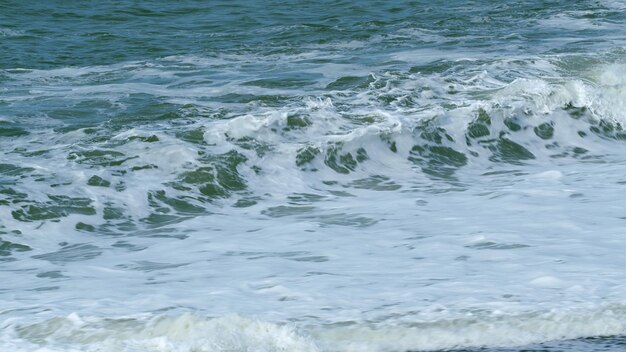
{"x":355,"y":177}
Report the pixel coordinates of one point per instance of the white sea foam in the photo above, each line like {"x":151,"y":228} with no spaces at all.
{"x":189,"y":332}
{"x":8,"y":32}
{"x":184,"y":333}
{"x":471,"y":331}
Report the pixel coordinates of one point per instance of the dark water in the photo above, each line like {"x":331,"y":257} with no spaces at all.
{"x":587,"y":344}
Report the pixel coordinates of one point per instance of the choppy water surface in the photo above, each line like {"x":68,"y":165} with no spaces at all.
{"x":313,"y":176}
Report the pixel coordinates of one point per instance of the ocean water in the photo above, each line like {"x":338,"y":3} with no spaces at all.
{"x":312,"y":176}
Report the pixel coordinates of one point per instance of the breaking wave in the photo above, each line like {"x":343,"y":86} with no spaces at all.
{"x":189,"y":332}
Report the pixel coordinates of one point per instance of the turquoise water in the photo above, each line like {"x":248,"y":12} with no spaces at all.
{"x":312,"y":176}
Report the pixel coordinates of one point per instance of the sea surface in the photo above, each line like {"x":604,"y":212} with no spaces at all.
{"x":312,"y":176}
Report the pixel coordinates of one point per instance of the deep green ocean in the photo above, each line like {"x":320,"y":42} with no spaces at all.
{"x":312,"y":176}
